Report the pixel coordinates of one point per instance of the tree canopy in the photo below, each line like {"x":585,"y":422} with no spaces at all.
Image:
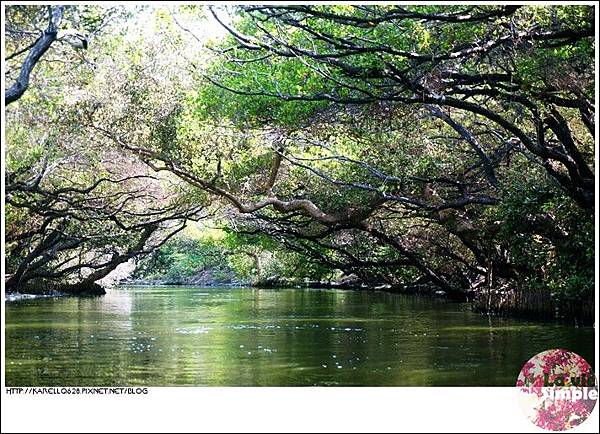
{"x":441,"y":147}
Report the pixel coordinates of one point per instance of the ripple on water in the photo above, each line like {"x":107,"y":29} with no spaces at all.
{"x":244,"y":327}
{"x":193,"y":330}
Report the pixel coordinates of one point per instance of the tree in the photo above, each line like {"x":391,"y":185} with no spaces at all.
{"x":33,"y":31}
{"x":523,"y":72}
{"x":430,"y":147}
{"x":70,"y":223}
{"x":304,"y":125}
{"x":75,"y":208}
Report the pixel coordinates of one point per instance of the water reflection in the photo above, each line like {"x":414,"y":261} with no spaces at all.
{"x":192,"y":336}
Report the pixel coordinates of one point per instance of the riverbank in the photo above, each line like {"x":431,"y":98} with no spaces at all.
{"x":39,"y":289}
{"x":17,"y":296}
{"x":290,"y":283}
{"x":500,"y":302}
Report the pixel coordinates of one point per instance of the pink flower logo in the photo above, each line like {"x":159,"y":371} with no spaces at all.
{"x":557,"y":389}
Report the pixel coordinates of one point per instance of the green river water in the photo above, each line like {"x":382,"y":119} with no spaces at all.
{"x":186,"y":336}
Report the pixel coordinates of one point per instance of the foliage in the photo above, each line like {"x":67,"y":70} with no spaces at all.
{"x":430,"y":146}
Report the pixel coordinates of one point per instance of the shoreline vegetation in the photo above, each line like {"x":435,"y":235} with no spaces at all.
{"x":528,"y":305}
{"x":443,"y":150}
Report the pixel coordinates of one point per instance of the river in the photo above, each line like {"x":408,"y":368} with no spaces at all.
{"x":172,"y":336}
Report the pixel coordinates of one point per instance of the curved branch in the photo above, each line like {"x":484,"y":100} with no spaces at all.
{"x":38,"y":49}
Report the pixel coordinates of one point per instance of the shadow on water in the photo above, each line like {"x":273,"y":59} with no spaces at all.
{"x":159,"y":336}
